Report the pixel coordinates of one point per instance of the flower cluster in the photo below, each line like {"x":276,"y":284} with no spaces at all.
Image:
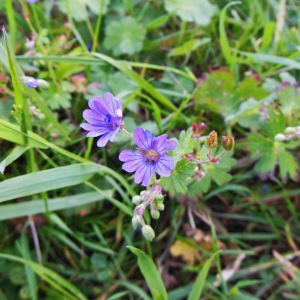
{"x":104,"y":119}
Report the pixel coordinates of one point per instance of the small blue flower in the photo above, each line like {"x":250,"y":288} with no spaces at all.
{"x":103,"y":118}
{"x":31,"y":1}
{"x":32,"y":83}
{"x":150,"y":156}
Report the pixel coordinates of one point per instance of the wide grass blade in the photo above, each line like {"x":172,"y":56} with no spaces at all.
{"x":151,"y":274}
{"x":47,"y":180}
{"x":13,"y":133}
{"x":198,"y":286}
{"x":15,"y":154}
{"x":224,"y":43}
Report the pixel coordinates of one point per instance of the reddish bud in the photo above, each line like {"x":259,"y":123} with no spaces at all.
{"x":211,"y":140}
{"x":227,"y":142}
{"x":198,"y":129}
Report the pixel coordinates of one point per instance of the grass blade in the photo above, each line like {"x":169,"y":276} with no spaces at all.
{"x":47,"y":180}
{"x":198,"y":286}
{"x":151,"y":274}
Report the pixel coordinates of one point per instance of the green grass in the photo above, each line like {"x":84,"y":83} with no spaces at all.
{"x":65,"y":204}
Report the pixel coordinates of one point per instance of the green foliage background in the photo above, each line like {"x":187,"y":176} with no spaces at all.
{"x":65,"y":205}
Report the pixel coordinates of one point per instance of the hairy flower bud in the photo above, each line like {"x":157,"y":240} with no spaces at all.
{"x":155,"y":214}
{"x":280,"y":137}
{"x":136,"y":200}
{"x":211,"y":140}
{"x":148,"y":232}
{"x":136,"y":221}
{"x":227,"y":142}
{"x":198,"y":129}
{"x":290,"y":130}
{"x":159,"y":197}
{"x":160,"y":206}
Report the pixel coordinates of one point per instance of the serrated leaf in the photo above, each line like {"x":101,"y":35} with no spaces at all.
{"x":198,"y":11}
{"x":177,"y":182}
{"x":186,"y":144}
{"x":56,"y":98}
{"x":125,"y":36}
{"x":270,"y":152}
{"x":287,"y":163}
{"x":220,"y":93}
{"x":79,"y":11}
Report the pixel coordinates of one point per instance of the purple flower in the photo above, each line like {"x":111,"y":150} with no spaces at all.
{"x":31,"y":1}
{"x":32,"y":83}
{"x":103,"y":118}
{"x":150,"y":156}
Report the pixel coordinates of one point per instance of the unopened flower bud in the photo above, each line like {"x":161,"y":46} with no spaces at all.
{"x":280,"y":137}
{"x":290,"y":130}
{"x":227,"y":142}
{"x":143,"y":193}
{"x":136,"y":200}
{"x":198,"y":129}
{"x":160,"y":197}
{"x":42,"y":83}
{"x":160,"y":206}
{"x":136,"y":221}
{"x":148,"y":232}
{"x":211,"y":140}
{"x":155,"y":214}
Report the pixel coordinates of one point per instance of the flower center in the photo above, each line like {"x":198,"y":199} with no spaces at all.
{"x":151,"y":155}
{"x":113,"y":122}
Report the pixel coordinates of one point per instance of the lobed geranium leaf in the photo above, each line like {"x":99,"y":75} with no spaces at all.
{"x":198,"y":11}
{"x":186,"y":144}
{"x":217,"y":172}
{"x":271,"y":152}
{"x":125,"y":36}
{"x":220,"y":93}
{"x":79,"y":11}
{"x":177,"y":182}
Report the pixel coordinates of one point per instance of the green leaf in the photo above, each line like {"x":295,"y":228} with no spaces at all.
{"x":217,"y":172}
{"x":15,"y":154}
{"x":273,"y":59}
{"x":198,"y":286}
{"x":186,"y":145}
{"x":198,"y":11}
{"x":223,"y":35}
{"x":47,"y":180}
{"x":79,"y":11}
{"x":287,"y":163}
{"x":56,"y":98}
{"x":125,"y":36}
{"x":16,"y":210}
{"x":31,"y":277}
{"x":12,"y":133}
{"x":188,"y":47}
{"x":56,"y":281}
{"x":270,"y":152}
{"x":150,"y":274}
{"x":220,"y":93}
{"x":177,"y":182}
